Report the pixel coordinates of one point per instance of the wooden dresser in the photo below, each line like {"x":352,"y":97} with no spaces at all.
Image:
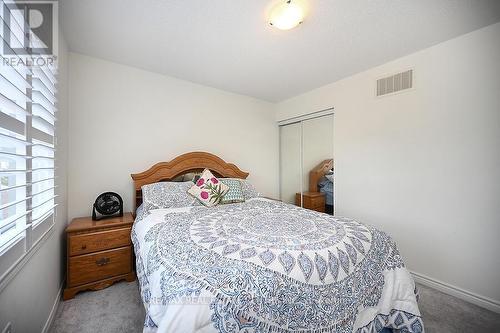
{"x":312,"y":200}
{"x":99,"y":253}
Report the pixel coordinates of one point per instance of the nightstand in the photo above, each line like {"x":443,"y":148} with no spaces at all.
{"x":312,"y":200}
{"x":99,"y":253}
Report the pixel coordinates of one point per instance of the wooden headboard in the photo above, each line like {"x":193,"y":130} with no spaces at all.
{"x":183,"y":164}
{"x":319,"y":171}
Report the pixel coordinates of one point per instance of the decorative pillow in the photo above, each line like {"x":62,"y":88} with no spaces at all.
{"x":208,"y":189}
{"x":249,"y":191}
{"x":235,"y":193}
{"x":167,"y":195}
{"x":185,"y":177}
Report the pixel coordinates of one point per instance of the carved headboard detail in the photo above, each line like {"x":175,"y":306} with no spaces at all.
{"x":183,"y":164}
{"x":319,"y":171}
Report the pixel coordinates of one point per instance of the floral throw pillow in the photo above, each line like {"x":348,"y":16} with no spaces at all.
{"x":208,"y":189}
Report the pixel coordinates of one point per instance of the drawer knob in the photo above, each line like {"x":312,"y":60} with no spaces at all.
{"x":84,"y":247}
{"x":102,"y":261}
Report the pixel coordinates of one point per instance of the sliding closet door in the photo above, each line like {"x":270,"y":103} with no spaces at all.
{"x":317,"y":143}
{"x":290,"y":162}
{"x":306,"y":144}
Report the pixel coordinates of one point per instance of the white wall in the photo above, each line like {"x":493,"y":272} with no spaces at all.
{"x":28,"y":300}
{"x":424,"y":165}
{"x":123,"y":120}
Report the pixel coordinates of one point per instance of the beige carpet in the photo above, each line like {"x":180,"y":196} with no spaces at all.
{"x":119,"y":309}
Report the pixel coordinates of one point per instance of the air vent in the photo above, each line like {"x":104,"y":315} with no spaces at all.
{"x":395,"y":83}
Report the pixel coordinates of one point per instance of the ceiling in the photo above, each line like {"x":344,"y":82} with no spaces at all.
{"x":228,"y":44}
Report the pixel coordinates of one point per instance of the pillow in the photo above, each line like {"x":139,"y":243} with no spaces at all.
{"x":249,"y":191}
{"x":208,"y":189}
{"x":329,"y":176}
{"x":191,"y":176}
{"x":167,"y":195}
{"x":185,"y":177}
{"x":235,"y":193}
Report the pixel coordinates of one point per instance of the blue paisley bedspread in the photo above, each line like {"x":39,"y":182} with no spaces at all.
{"x":266,"y":266}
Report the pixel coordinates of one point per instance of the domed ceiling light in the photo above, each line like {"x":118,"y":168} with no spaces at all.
{"x":286,"y":15}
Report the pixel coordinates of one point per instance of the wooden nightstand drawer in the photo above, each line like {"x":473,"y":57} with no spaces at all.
{"x":320,"y":209}
{"x":314,"y":202}
{"x":311,"y":200}
{"x":97,"y":241}
{"x":100,"y":265}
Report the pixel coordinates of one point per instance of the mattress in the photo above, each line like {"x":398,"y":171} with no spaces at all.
{"x":266,"y":266}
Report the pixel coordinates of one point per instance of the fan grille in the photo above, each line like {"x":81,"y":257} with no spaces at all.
{"x":108,"y":203}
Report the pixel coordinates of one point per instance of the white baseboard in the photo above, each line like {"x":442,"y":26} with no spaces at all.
{"x":487,"y":303}
{"x":53,"y":312}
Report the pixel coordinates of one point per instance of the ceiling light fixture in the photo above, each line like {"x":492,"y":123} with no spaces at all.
{"x":286,"y":15}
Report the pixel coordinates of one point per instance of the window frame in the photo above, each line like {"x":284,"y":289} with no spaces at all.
{"x":26,"y":231}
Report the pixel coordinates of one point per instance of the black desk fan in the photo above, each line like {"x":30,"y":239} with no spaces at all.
{"x":107,"y":204}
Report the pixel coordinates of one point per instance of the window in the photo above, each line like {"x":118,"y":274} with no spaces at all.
{"x":27,"y":124}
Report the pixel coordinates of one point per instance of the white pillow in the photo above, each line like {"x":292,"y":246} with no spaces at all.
{"x":249,"y":190}
{"x":167,"y":195}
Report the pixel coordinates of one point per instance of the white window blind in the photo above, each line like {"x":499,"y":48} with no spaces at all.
{"x":27,"y":134}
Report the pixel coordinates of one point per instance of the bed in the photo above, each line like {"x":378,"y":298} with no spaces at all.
{"x":321,"y":180}
{"x":263,"y":265}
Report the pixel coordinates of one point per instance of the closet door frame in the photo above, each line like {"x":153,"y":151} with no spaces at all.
{"x":294,"y":120}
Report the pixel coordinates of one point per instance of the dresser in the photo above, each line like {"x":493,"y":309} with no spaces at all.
{"x":312,"y":200}
{"x":99,"y":253}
